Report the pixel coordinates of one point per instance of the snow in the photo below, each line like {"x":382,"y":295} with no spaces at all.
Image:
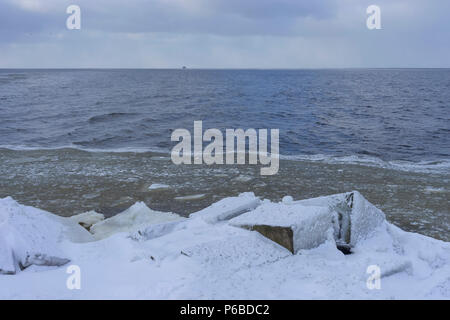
{"x":201,"y":258}
{"x":134,"y":218}
{"x":287,"y":200}
{"x":157,"y":230}
{"x":279,"y":214}
{"x":29,"y":236}
{"x":228,"y":208}
{"x":87,"y":219}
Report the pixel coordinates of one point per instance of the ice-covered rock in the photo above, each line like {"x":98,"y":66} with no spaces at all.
{"x":30,"y":236}
{"x":228,"y":208}
{"x":295,"y":227}
{"x":138,"y":216}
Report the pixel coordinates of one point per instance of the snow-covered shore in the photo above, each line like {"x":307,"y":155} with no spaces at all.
{"x":144,"y":254}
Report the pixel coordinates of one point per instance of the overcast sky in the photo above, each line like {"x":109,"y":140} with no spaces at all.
{"x":224,"y":34}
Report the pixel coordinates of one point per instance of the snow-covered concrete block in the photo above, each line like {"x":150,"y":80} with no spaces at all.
{"x":357,"y":217}
{"x":228,"y":208}
{"x":295,"y":227}
{"x":28,"y":236}
{"x":307,"y":223}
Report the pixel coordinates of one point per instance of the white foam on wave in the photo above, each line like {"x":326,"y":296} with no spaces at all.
{"x":441,"y":166}
{"x":76,"y":147}
{"x":437,"y":167}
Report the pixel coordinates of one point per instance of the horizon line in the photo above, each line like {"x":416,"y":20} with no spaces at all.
{"x":213,"y":68}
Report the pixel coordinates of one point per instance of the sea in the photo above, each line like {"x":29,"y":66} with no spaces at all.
{"x":77,"y":140}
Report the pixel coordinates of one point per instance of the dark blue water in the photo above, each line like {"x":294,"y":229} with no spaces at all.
{"x":392,"y":114}
{"x":385,"y":133}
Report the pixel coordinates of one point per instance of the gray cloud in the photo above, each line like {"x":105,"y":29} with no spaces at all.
{"x":224,"y":33}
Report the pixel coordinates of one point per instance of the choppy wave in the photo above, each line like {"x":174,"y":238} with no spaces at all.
{"x":361,"y":112}
{"x":111,"y":116}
